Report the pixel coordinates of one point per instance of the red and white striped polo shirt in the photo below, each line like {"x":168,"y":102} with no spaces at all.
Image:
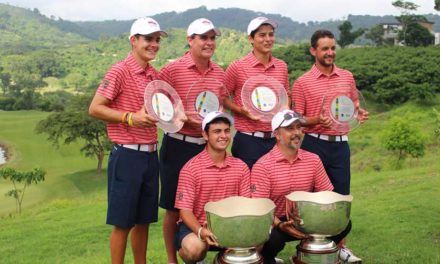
{"x":124,"y":86}
{"x":273,"y":177}
{"x":182,"y":74}
{"x":312,"y":87}
{"x":243,"y":69}
{"x":201,"y":181}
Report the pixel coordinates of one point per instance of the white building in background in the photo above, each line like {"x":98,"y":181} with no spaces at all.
{"x":391,"y":31}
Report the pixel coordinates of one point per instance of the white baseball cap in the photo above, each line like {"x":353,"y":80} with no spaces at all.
{"x":285,"y":118}
{"x":257,"y":22}
{"x":145,"y":26}
{"x":201,"y":26}
{"x":216,"y":114}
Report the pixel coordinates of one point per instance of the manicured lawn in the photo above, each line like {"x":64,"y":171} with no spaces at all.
{"x":395,"y":213}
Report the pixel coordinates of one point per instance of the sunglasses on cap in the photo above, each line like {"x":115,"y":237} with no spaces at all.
{"x":289,"y":115}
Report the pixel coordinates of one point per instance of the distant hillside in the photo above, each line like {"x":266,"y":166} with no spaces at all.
{"x":238,"y":19}
{"x":22,"y":30}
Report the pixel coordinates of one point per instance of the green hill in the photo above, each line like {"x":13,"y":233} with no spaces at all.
{"x":90,"y":61}
{"x":30,"y":150}
{"x":19,"y":24}
{"x":23,"y":30}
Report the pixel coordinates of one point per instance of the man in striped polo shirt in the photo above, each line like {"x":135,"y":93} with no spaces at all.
{"x":178,"y":148}
{"x":210,"y":176}
{"x":308,"y":95}
{"x":254,"y":138}
{"x":285,"y":169}
{"x":133,"y":169}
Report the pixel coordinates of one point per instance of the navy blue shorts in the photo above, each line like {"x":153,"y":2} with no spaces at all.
{"x":182,"y":232}
{"x":133,"y":187}
{"x":174,"y":154}
{"x":335,"y":157}
{"x":249,"y":148}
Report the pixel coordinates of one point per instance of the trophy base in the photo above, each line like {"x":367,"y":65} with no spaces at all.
{"x":239,"y":256}
{"x":318,"y":256}
{"x":296,"y":260}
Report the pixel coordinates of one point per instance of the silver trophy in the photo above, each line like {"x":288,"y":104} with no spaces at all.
{"x":320,"y":215}
{"x":240,"y":225}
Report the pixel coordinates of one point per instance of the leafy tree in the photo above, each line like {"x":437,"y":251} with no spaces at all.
{"x":27,"y":100}
{"x":403,"y":139}
{"x":21,"y":180}
{"x":421,"y":92}
{"x":346,"y":37}
{"x":437,"y":5}
{"x":7,"y":103}
{"x":297,"y":57}
{"x":405,"y":17}
{"x":5,"y":79}
{"x":54,"y":101}
{"x":47,"y":63}
{"x":77,"y":80}
{"x":376,"y":34}
{"x":36,"y":11}
{"x":391,"y":89}
{"x":24,"y":75}
{"x":405,"y":6}
{"x":417,"y":35}
{"x":75,"y":124}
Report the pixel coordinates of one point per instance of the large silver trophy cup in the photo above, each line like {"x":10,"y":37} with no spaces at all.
{"x":240,"y":225}
{"x":320,"y":215}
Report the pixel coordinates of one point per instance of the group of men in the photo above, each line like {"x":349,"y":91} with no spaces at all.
{"x":193,"y":164}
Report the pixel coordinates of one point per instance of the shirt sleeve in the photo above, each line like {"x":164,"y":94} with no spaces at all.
{"x":224,"y":93}
{"x":286,"y":81}
{"x":186,"y":187}
{"x":110,"y":86}
{"x":231,"y":78}
{"x":245,"y":184}
{"x":166,"y":75}
{"x":322,"y":181}
{"x":354,"y":91}
{"x":298,"y":99}
{"x":260,"y":181}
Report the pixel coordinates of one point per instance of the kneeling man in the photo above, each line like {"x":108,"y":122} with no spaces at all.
{"x":285,"y":169}
{"x":210,"y":176}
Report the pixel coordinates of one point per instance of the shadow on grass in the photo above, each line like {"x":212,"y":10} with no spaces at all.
{"x":87,"y":182}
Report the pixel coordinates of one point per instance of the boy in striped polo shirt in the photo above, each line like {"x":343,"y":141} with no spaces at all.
{"x":178,"y":148}
{"x":210,"y":176}
{"x":287,"y":168}
{"x":254,"y":138}
{"x":133,"y":168}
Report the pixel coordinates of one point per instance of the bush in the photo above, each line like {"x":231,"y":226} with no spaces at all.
{"x":7,"y":103}
{"x":403,"y":139}
{"x":54,"y":101}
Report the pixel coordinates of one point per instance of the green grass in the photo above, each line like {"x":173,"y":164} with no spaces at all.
{"x":29,"y":151}
{"x":395,"y":213}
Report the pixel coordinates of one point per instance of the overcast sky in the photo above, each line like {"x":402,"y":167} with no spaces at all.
{"x":297,"y":10}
